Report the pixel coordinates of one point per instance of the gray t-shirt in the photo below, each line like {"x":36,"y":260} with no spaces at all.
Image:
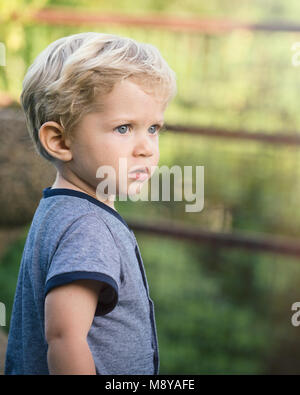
{"x":74,"y":236}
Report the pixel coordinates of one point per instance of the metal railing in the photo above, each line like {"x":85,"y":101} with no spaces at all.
{"x":60,"y":16}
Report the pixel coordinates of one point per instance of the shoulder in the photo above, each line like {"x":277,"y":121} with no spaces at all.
{"x":61,"y":208}
{"x":59,"y":215}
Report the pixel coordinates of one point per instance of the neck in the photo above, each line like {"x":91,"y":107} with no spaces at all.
{"x":62,"y":181}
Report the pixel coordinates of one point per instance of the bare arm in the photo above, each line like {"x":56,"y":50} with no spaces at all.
{"x":69,"y":312}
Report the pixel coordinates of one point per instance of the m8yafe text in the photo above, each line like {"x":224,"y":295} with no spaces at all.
{"x":150,"y":384}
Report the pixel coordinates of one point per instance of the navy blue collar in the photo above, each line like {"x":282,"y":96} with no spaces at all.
{"x":48,"y":192}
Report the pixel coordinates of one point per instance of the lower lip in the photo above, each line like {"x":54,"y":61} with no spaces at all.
{"x":139,"y":176}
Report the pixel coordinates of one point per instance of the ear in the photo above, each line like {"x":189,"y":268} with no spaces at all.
{"x":51,"y":135}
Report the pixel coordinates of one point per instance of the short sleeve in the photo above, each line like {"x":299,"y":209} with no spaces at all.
{"x":87,"y":250}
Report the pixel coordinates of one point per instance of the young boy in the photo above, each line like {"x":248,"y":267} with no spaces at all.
{"x":82,"y":303}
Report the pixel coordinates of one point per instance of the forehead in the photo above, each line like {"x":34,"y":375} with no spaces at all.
{"x":130,"y":99}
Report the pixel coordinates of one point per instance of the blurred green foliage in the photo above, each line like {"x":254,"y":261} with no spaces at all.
{"x":218,"y":310}
{"x":9,"y":268}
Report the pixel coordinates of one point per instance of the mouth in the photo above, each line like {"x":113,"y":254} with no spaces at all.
{"x":141,"y":173}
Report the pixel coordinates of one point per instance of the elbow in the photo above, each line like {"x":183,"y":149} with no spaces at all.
{"x":62,"y":336}
{"x":54,"y":335}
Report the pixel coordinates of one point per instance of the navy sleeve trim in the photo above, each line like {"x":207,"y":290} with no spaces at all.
{"x":66,"y":278}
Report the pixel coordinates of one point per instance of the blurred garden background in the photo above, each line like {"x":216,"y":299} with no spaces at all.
{"x":224,"y":281}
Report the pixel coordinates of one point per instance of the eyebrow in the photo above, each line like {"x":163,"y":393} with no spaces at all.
{"x":125,"y":121}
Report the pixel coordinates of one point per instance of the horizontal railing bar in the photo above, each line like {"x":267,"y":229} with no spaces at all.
{"x":264,"y":243}
{"x":63,"y":16}
{"x":273,"y":138}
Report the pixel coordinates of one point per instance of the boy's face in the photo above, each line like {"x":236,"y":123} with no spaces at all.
{"x":127,"y":128}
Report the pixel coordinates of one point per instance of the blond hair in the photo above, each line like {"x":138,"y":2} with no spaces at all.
{"x":62,"y":83}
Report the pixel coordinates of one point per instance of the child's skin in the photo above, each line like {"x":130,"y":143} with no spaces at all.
{"x":70,"y":309}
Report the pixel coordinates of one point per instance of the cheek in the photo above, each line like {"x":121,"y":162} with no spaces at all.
{"x":111,"y":151}
{"x":156,"y":154}
{"x":103,"y":149}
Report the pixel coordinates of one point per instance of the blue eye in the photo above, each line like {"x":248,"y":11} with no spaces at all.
{"x":122,"y":129}
{"x":155,"y":128}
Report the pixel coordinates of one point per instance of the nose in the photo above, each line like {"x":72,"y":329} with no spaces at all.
{"x":144,"y":146}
